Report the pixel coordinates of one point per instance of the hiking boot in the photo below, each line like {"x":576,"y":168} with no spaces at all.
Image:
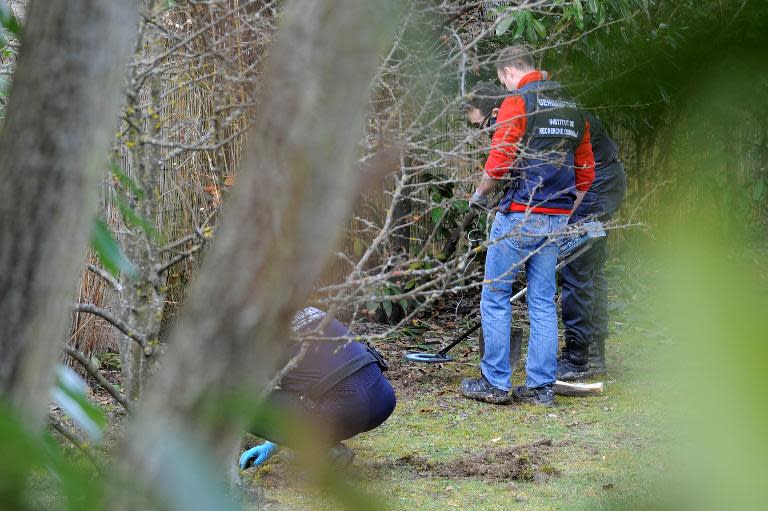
{"x":481,"y":390}
{"x":340,"y":455}
{"x":596,"y":359}
{"x":568,"y":370}
{"x":543,"y":396}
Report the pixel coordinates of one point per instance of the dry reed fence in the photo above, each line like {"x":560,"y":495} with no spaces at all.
{"x":209,"y":81}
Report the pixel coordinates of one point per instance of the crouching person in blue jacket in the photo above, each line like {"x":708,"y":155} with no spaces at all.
{"x":336,"y":387}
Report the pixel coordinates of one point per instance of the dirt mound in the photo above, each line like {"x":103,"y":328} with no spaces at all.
{"x":495,"y":464}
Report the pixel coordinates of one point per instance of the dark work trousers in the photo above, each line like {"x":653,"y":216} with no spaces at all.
{"x":585,"y":301}
{"x":584,"y":286}
{"x":360,"y":403}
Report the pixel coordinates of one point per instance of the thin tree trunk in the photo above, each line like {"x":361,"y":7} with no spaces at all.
{"x":401,"y":242}
{"x":62,"y":113}
{"x":141,"y":303}
{"x":284,"y":216}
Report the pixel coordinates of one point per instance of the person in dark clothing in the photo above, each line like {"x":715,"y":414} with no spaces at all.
{"x":482,"y":104}
{"x":542,"y":142}
{"x":336,"y":386}
{"x":584,"y":286}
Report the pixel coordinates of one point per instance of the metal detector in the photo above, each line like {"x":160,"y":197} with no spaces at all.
{"x":571,"y":249}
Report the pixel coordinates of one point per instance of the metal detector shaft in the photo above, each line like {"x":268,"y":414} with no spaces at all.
{"x":594,"y":231}
{"x":460,"y":338}
{"x":559,"y":267}
{"x":514,"y":298}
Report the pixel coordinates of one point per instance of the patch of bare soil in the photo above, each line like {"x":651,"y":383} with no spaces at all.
{"x":433,"y":328}
{"x":276,"y":474}
{"x":412,"y":379}
{"x":495,"y":464}
{"x":428,"y":332}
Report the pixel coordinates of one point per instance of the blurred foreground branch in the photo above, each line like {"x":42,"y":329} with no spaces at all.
{"x":52,"y":147}
{"x":293,"y":197}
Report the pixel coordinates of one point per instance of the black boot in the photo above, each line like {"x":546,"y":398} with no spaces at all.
{"x":543,"y":396}
{"x":340,"y":455}
{"x":572,"y":362}
{"x":596,"y":359}
{"x":481,"y":390}
{"x":568,"y":370}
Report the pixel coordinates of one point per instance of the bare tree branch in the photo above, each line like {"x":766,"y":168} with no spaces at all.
{"x":96,"y":374}
{"x":178,"y":258}
{"x":101,"y":272}
{"x":129,"y":331}
{"x":75,"y":440}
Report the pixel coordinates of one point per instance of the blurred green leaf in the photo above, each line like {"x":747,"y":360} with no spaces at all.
{"x":28,"y":456}
{"x":69,"y":394}
{"x":127,"y":181}
{"x":539,"y":27}
{"x":387,"y":308}
{"x":8,"y":22}
{"x":460,"y":205}
{"x":624,"y":8}
{"x":758,"y":192}
{"x":504,"y":25}
{"x":521,"y":23}
{"x":578,"y":14}
{"x":601,"y":15}
{"x":531,"y":31}
{"x":131,"y":218}
{"x":111,"y":256}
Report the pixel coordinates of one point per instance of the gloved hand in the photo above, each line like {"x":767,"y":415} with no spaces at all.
{"x":479,"y":201}
{"x":255,"y":456}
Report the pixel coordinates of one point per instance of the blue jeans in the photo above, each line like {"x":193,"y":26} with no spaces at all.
{"x":521,"y":239}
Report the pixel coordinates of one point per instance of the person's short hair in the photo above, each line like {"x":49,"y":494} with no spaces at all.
{"x":519,"y":56}
{"x":484,"y":96}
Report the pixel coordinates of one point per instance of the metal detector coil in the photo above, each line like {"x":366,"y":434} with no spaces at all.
{"x":428,"y":358}
{"x":442,"y":355}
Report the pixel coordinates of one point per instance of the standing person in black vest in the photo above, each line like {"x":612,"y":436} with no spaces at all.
{"x":584,"y":286}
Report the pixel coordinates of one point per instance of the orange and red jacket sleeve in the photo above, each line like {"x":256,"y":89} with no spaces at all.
{"x":510,"y":127}
{"x":584,"y":162}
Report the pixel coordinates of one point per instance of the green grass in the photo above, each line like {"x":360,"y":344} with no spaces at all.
{"x":608,"y":448}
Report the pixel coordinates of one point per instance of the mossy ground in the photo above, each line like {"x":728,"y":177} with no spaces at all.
{"x":606,"y":448}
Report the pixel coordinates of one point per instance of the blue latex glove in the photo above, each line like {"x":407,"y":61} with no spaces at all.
{"x":255,"y":456}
